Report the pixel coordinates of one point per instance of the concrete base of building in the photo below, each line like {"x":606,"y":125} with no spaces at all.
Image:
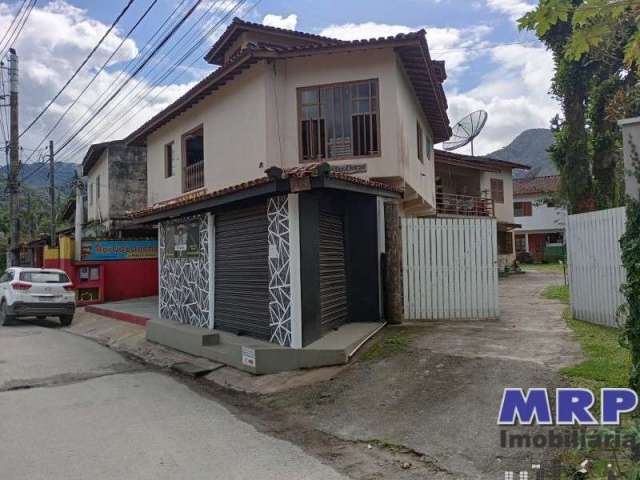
{"x":259,"y":357}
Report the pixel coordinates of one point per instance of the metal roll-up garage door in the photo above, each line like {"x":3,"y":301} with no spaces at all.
{"x":242,"y":272}
{"x":333,"y":278}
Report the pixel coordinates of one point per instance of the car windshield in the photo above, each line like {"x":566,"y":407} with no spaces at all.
{"x":44,"y":277}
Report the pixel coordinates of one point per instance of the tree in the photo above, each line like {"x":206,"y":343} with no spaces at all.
{"x":594,"y":48}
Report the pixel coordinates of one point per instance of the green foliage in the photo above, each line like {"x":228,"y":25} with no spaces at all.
{"x":398,"y":343}
{"x":595,"y":86}
{"x":630,"y":245}
{"x":557,"y":292}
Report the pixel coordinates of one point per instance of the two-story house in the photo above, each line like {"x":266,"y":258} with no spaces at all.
{"x":542,"y":221}
{"x":479,"y":187}
{"x":338,"y":126}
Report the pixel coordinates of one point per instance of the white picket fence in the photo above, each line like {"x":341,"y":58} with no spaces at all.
{"x":595,"y":267}
{"x":450,"y":269}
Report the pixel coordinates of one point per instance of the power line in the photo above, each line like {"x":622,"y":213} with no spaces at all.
{"x":11,"y":25}
{"x":84,"y":62}
{"x":133,"y":62}
{"x":124,"y":39}
{"x":164,"y":40}
{"x":24,"y":22}
{"x":158,"y":80}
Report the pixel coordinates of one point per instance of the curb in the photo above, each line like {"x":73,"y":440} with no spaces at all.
{"x":122,"y":316}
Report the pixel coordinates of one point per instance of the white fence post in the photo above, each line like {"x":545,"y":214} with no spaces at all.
{"x":450,"y":268}
{"x":595,"y":265}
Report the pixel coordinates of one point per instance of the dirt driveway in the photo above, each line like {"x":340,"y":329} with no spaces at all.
{"x":440,"y":396}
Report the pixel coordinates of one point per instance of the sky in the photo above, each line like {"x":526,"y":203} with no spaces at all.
{"x":490,"y":64}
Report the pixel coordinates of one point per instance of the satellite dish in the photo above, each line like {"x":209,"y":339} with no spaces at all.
{"x":466,"y":130}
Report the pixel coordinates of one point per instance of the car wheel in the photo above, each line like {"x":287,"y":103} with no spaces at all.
{"x":65,"y":320}
{"x":5,"y":318}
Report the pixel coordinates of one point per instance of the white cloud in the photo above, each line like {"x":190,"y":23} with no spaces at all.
{"x":448,"y":44}
{"x":288,"y":23}
{"x":513,"y":8}
{"x":53,"y":43}
{"x":515,"y":94}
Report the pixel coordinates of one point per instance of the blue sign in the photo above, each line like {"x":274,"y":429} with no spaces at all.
{"x":96,"y":250}
{"x":573,"y":406}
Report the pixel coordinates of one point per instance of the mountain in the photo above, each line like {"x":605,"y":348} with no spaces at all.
{"x":530,"y":148}
{"x":36,"y":175}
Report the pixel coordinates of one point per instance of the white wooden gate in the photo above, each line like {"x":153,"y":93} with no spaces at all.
{"x":595,"y":265}
{"x":450,"y":269}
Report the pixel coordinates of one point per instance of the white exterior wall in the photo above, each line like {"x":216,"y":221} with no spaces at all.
{"x":399,"y":112}
{"x":503,"y":211}
{"x":233,"y":121}
{"x":251,"y":124}
{"x":543,"y":218}
{"x":99,"y":208}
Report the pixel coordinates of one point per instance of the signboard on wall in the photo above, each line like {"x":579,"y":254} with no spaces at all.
{"x":97,"y":250}
{"x":182,"y":240}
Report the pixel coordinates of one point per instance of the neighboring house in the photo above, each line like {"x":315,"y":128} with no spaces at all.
{"x":542,"y":222}
{"x":116,"y":179}
{"x":478,"y":187}
{"x":631,"y":140}
{"x":116,"y":258}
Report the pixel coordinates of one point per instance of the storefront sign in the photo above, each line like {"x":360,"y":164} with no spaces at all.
{"x":96,"y":250}
{"x":182,"y":240}
{"x":248,"y":357}
{"x":350,"y":169}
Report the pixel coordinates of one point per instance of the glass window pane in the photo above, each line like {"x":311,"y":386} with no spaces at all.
{"x":374,"y":87}
{"x":311,"y":111}
{"x":310,"y":95}
{"x":361,"y":106}
{"x":363,"y":89}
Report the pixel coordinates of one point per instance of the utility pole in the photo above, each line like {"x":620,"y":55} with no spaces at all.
{"x":79,"y":213}
{"x":52,"y":195}
{"x":14,"y":160}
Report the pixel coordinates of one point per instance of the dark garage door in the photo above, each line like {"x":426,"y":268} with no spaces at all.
{"x":333,"y":278}
{"x":242,"y":272}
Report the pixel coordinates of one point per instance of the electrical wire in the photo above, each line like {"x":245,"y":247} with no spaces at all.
{"x":162,"y":43}
{"x":137,"y":105}
{"x":84,"y":62}
{"x":24,"y":22}
{"x":11,"y":25}
{"x":134,"y":62}
{"x":75,"y":100}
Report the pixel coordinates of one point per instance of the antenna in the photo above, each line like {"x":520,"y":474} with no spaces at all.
{"x":466,"y":130}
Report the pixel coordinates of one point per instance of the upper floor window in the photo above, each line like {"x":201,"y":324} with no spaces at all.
{"x":339,"y":121}
{"x":522,"y":209}
{"x":497,"y":190}
{"x":193,"y":159}
{"x":98,"y":187}
{"x":420,"y":145}
{"x":91,"y":194}
{"x":168,"y":160}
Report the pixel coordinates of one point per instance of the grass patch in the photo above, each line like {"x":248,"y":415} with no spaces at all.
{"x":557,"y":292}
{"x":394,"y":344}
{"x":542,"y":267}
{"x":607,"y":364}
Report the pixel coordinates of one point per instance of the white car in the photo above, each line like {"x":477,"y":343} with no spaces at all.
{"x":36,"y":292}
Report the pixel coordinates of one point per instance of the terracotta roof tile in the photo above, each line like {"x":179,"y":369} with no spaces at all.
{"x":525,"y":186}
{"x":306,"y":170}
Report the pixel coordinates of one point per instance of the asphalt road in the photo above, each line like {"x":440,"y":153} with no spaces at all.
{"x":72,"y":409}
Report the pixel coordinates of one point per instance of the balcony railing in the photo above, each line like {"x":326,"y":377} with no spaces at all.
{"x":194,"y":176}
{"x":464,"y":205}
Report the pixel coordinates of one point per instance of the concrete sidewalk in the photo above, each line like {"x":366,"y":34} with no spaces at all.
{"x":129,"y":339}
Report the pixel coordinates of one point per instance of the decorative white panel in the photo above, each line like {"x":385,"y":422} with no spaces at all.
{"x":184,"y":282}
